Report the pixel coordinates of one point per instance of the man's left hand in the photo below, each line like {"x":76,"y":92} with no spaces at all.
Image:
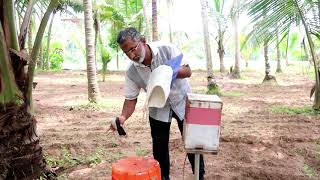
{"x":175,"y":63}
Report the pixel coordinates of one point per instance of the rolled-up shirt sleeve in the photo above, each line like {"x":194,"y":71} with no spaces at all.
{"x":131,"y":89}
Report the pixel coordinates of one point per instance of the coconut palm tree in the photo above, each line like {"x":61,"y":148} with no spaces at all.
{"x":30,"y":37}
{"x":21,"y":154}
{"x":279,"y":69}
{"x":146,"y":20}
{"x":169,"y":7}
{"x":105,"y":55}
{"x":288,"y":44}
{"x":154,"y":20}
{"x":235,"y":12}
{"x":287,"y":48}
{"x":212,"y":85}
{"x":268,"y":77}
{"x":119,"y":16}
{"x":281,"y":15}
{"x":221,"y":22}
{"x":93,"y":88}
{"x":76,"y":5}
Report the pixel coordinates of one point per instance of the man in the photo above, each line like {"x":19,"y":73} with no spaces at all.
{"x":147,"y":57}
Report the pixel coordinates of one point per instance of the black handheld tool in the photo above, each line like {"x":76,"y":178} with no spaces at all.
{"x":120,"y":129}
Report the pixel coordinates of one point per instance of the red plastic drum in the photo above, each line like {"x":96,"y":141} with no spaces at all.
{"x":136,"y":168}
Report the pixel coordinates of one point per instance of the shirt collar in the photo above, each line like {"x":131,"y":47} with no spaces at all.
{"x":154,"y":51}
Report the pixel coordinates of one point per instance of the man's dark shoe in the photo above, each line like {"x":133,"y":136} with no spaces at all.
{"x":165,"y":178}
{"x":201,"y":177}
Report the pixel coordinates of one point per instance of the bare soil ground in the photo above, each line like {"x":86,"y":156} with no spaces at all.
{"x":256,"y":142}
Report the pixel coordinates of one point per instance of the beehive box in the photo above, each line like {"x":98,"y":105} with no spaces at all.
{"x":202,"y":123}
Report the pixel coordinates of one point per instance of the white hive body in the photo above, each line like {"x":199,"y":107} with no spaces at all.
{"x":202,"y":123}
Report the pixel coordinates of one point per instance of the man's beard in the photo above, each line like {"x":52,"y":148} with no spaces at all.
{"x":142,"y":56}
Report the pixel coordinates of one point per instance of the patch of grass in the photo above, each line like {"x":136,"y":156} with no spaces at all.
{"x":238,"y":77}
{"x":51,"y":70}
{"x":112,"y":157}
{"x":41,"y":178}
{"x":96,"y":157}
{"x":62,"y":177}
{"x":233,"y":93}
{"x":214,"y":89}
{"x":114,"y":143}
{"x":141,"y":152}
{"x":68,"y":160}
{"x":307,"y":110}
{"x":301,"y":152}
{"x":95,"y":106}
{"x":309,"y":171}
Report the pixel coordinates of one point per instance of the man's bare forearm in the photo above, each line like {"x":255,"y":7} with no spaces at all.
{"x":128,"y":108}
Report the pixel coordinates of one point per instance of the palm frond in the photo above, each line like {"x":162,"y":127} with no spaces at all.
{"x":75,"y":5}
{"x":271,"y":16}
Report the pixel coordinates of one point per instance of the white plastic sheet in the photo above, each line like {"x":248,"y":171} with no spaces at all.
{"x":158,"y":88}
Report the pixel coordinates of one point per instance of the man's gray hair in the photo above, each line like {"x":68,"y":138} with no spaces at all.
{"x":129,"y":33}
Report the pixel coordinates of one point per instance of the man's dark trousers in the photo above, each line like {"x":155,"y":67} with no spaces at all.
{"x":160,"y":132}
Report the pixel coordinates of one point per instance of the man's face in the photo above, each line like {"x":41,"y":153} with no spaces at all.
{"x":134,"y":50}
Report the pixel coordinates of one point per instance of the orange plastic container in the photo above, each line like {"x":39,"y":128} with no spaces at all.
{"x":136,"y":168}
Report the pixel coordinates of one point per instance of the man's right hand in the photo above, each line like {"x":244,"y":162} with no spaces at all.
{"x":122,"y":119}
{"x":113,"y":125}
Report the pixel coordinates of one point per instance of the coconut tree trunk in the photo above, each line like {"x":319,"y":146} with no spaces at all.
{"x":9,"y":25}
{"x":36,"y":47}
{"x":305,"y":48}
{"x":93,"y":88}
{"x":154,"y":21}
{"x":20,"y":151}
{"x":117,"y":50}
{"x":316,"y":102}
{"x":98,"y":44}
{"x":146,"y":19}
{"x":236,"y":72}
{"x":266,"y":59}
{"x":25,"y":24}
{"x":221,"y":51}
{"x":210,"y":78}
{"x":117,"y":58}
{"x":96,"y":24}
{"x":8,"y":87}
{"x":49,"y":39}
{"x":30,"y":38}
{"x":268,"y":77}
{"x":169,"y":6}
{"x":105,"y":57}
{"x":279,"y":70}
{"x":40,"y":63}
{"x":287,"y":47}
